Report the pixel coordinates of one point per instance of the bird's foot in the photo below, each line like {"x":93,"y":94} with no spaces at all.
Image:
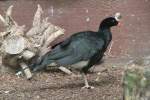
{"x":87,"y":87}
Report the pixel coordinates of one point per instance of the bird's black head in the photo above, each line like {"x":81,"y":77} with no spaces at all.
{"x":111,"y":21}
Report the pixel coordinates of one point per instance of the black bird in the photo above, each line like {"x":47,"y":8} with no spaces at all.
{"x":83,"y":49}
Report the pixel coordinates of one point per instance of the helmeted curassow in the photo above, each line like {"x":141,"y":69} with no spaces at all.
{"x":87,"y":46}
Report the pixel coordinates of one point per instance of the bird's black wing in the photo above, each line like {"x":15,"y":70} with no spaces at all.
{"x":80,"y":48}
{"x":66,"y":42}
{"x":83,"y":50}
{"x":63,"y":43}
{"x":94,"y":60}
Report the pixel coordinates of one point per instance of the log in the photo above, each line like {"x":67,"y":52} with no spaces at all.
{"x":22,"y":45}
{"x":14,"y":44}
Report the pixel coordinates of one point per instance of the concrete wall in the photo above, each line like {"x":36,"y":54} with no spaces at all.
{"x":132,"y":39}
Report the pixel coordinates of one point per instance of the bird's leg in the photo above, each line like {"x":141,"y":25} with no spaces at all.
{"x":67,"y":71}
{"x":97,"y":79}
{"x":99,"y":73}
{"x":86,"y":83}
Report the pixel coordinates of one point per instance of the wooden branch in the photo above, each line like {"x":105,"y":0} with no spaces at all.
{"x":2,"y":34}
{"x":27,"y":54}
{"x":2,"y":20}
{"x":31,"y":32}
{"x":46,"y":34}
{"x":26,"y":70}
{"x":49,"y":30}
{"x":9,"y":20}
{"x":36,"y":22}
{"x":9,"y":10}
{"x":37,"y":17}
{"x":35,"y":34}
{"x":17,"y":30}
{"x":54,"y":35}
{"x":44,"y":25}
{"x":45,"y":48}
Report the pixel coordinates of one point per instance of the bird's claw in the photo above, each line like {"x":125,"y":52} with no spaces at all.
{"x":87,"y":87}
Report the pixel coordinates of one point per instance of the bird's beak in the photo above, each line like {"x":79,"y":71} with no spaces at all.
{"x":118,"y":18}
{"x":119,"y":24}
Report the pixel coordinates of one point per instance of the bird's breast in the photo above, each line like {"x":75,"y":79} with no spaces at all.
{"x":80,"y":64}
{"x":77,"y":65}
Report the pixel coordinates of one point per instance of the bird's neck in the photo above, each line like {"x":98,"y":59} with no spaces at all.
{"x":104,"y":32}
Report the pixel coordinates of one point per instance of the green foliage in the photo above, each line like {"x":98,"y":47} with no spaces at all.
{"x":136,"y":84}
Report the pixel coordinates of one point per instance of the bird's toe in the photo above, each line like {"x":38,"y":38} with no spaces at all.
{"x":87,"y":87}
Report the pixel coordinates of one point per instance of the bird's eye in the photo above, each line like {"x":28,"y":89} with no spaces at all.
{"x":113,"y":21}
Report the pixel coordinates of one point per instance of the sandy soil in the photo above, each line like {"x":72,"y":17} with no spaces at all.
{"x":58,"y":86}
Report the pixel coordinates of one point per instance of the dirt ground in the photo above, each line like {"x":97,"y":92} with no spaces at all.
{"x":58,"y":86}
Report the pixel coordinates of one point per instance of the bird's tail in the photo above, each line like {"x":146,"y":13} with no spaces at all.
{"x":40,"y":64}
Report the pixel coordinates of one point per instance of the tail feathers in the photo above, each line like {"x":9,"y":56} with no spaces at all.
{"x":40,"y":66}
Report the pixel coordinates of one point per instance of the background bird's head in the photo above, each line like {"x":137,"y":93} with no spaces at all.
{"x":111,"y":21}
